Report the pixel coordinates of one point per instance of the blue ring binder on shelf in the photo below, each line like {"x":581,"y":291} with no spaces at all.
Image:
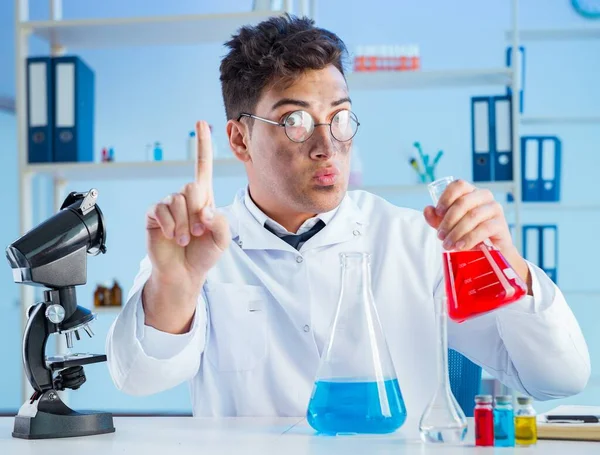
{"x":491,"y":138}
{"x":40,"y":109}
{"x":540,"y":246}
{"x":74,"y":109}
{"x":540,"y":171}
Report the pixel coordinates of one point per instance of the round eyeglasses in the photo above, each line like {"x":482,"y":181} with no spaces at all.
{"x":300,"y":125}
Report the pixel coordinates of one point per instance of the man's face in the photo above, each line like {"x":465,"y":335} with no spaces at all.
{"x":307,"y":177}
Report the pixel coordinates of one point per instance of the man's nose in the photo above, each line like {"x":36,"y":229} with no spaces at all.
{"x":324,"y":145}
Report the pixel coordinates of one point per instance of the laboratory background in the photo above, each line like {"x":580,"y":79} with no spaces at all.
{"x":430,"y":84}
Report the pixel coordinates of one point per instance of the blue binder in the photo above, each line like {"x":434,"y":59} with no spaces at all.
{"x":39,"y":109}
{"x":540,"y":171}
{"x":540,"y":246}
{"x":521,"y":74}
{"x":550,"y":153}
{"x":74,"y":109}
{"x":480,"y":139}
{"x":501,"y":137}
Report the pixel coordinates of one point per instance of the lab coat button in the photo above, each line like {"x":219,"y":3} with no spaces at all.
{"x":306,"y":328}
{"x":299,"y":259}
{"x":356,"y":233}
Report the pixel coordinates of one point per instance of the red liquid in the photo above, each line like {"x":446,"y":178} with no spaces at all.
{"x":474,"y":285}
{"x":484,"y":427}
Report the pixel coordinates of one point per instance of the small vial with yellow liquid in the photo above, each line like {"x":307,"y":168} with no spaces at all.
{"x":525,"y":422}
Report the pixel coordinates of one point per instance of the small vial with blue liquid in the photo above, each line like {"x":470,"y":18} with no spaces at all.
{"x":356,"y":390}
{"x":504,"y":422}
{"x":157,"y":152}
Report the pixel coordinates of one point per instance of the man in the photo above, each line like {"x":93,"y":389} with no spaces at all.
{"x":239,"y":301}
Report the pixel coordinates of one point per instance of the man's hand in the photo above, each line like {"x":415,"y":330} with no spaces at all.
{"x":466,"y":216}
{"x":185,"y":239}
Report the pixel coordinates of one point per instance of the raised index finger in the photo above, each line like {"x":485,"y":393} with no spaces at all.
{"x":204,"y":153}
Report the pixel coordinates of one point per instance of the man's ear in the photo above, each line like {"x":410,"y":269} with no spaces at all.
{"x":239,"y":139}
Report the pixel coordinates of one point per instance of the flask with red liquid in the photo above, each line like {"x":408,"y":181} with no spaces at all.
{"x":479,"y":280}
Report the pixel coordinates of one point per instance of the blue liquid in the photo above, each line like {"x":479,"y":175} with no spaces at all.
{"x":504,"y":428}
{"x":356,"y":407}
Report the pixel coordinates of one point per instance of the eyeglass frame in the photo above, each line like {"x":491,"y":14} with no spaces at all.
{"x":282,"y":124}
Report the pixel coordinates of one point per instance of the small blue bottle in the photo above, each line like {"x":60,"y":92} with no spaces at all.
{"x":158,"y":153}
{"x":504,"y":422}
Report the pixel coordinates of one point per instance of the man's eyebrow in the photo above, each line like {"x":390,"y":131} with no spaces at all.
{"x":341,"y":101}
{"x":285,"y":101}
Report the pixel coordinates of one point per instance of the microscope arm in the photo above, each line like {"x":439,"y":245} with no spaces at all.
{"x":34,"y":349}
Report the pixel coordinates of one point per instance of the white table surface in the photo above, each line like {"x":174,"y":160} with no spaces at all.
{"x":250,"y":436}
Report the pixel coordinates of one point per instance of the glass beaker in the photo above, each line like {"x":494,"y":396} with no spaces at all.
{"x":478,"y":280}
{"x":356,"y":389}
{"x":443,"y":420}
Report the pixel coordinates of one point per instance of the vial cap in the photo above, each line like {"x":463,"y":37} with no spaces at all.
{"x":484,"y":399}
{"x":504,"y":399}
{"x":524,"y":400}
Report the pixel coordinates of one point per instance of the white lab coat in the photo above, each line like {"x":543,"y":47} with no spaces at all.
{"x":263,"y":316}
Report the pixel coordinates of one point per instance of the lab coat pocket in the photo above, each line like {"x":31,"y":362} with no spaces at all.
{"x":237,"y":339}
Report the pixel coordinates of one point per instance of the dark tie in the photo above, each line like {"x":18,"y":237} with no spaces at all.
{"x":296,"y":239}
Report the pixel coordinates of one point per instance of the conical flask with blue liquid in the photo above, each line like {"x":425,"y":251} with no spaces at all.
{"x":356,"y":389}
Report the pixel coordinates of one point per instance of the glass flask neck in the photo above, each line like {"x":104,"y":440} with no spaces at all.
{"x":436,"y":189}
{"x":356,"y":276}
{"x":442,"y":348}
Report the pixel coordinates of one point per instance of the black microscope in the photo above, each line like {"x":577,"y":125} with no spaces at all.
{"x":53,"y":255}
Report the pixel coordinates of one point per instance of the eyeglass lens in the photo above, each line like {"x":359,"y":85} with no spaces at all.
{"x":299,"y":125}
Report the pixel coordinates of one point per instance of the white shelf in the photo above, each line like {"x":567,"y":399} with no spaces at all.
{"x":106,"y":310}
{"x":7,"y":104}
{"x":228,"y":167}
{"x":132,"y":170}
{"x":578,"y":293}
{"x":554,"y":206}
{"x":557,"y":34}
{"x":560,"y":120}
{"x":398,"y":80}
{"x":144,"y":31}
{"x":421,"y":188}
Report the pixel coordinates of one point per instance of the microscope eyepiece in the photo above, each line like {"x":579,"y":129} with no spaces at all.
{"x":53,"y":253}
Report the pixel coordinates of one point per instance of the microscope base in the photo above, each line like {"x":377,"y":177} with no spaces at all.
{"x":57,"y":420}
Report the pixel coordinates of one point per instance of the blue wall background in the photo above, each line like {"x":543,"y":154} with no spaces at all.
{"x":157,"y":93}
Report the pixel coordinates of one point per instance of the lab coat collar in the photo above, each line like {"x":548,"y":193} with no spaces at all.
{"x":348,"y":223}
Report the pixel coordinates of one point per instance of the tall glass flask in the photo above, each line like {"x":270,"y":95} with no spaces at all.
{"x":479,"y":280}
{"x":356,"y":389}
{"x":443,"y":420}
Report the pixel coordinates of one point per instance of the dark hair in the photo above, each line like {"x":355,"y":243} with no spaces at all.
{"x":275,"y":51}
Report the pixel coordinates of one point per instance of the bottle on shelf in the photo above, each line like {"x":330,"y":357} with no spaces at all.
{"x":158,"y":152}
{"x":116,"y":294}
{"x":403,"y":58}
{"x":99,"y":296}
{"x":149,"y":152}
{"x":415,"y":58}
{"x":359,"y":59}
{"x":106,"y":290}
